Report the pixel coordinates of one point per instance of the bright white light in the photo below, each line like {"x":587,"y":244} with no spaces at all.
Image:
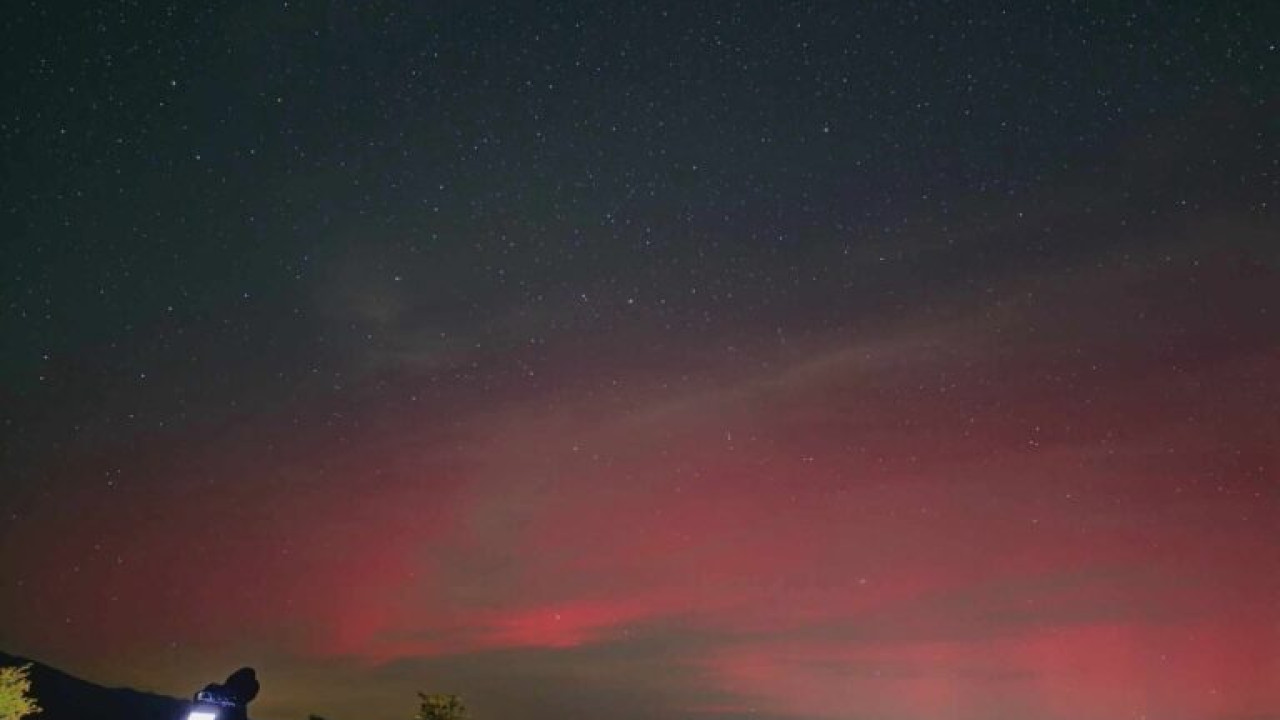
{"x":202,"y":715}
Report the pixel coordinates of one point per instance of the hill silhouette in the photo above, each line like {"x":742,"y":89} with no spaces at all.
{"x":65,"y":697}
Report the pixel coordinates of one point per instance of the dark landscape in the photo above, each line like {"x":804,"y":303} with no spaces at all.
{"x":64,"y":697}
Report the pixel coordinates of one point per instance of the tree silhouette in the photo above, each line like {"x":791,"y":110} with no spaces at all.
{"x":16,"y":700}
{"x":441,"y":707}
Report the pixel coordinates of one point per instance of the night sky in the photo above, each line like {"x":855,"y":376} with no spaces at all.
{"x":699,"y":360}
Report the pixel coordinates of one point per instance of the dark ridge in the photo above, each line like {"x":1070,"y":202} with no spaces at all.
{"x":64,"y":697}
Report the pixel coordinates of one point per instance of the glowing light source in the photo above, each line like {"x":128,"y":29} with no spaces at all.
{"x":202,"y":715}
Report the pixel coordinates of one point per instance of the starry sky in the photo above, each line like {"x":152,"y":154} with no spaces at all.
{"x":691,"y":360}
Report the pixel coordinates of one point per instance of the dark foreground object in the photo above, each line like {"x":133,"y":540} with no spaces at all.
{"x":230,"y":700}
{"x":63,"y":697}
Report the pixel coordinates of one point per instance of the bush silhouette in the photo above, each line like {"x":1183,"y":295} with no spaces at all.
{"x":16,"y":700}
{"x":441,"y":707}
